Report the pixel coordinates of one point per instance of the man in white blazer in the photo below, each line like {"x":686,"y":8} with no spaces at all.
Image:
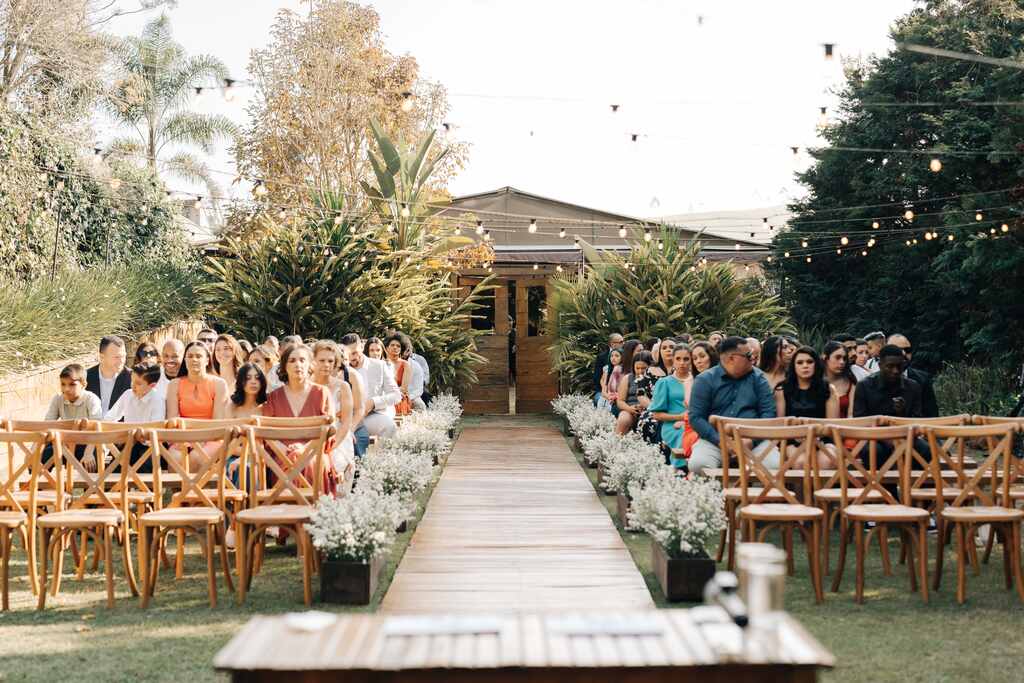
{"x":377,"y":414}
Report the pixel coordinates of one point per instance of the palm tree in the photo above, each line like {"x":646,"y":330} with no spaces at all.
{"x":152,"y":98}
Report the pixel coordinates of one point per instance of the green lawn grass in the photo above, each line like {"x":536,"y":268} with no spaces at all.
{"x":893,"y":636}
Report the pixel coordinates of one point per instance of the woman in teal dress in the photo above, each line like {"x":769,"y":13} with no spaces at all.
{"x":668,"y":405}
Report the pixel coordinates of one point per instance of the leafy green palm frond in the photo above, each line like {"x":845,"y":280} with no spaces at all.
{"x":201,"y":130}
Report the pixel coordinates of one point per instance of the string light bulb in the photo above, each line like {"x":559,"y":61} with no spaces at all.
{"x":487,"y":235}
{"x":844,"y":240}
{"x":935,"y":165}
{"x":533,"y":226}
{"x":661,"y":245}
{"x":803,"y":243}
{"x":479,"y":227}
{"x":822,"y":117}
{"x":871,"y":242}
{"x":908,"y":214}
{"x":622,"y":231}
{"x":576,"y":241}
{"x":561,"y":233}
{"x":874,"y":225}
{"x":558,"y":268}
{"x":535,"y":266}
{"x":808,"y":259}
{"x":115,"y":184}
{"x":229,"y":90}
{"x":864,"y":253}
{"x":786,"y":255}
{"x":829,"y":50}
{"x":928,"y":235}
{"x":978,"y":216}
{"x":1005,"y":228}
{"x":647,"y":235}
{"x":949,"y":237}
{"x":407,"y":101}
{"x":405,"y":211}
{"x":260,"y":189}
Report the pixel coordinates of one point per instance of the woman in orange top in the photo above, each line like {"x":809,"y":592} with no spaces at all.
{"x":195,"y":393}
{"x":393,"y":346}
{"x":300,"y":397}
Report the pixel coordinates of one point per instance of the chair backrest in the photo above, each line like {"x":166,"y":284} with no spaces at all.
{"x":995,"y":471}
{"x":944,"y":421}
{"x":867,"y":421}
{"x":103,"y":487}
{"x":180,"y":451}
{"x":865,"y":455}
{"x":753,"y":445}
{"x":722,"y":424}
{"x":107,"y":426}
{"x":25,"y":449}
{"x":44,"y":425}
{"x":295,"y":456}
{"x":196,"y":423}
{"x":997,"y":420}
{"x":293,"y":422}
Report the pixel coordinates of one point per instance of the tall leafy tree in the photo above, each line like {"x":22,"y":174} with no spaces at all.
{"x":152,"y":98}
{"x":954,"y":288}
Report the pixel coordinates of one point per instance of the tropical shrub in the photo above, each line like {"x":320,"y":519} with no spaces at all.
{"x":975,"y":389}
{"x":43,"y":321}
{"x":661,"y":288}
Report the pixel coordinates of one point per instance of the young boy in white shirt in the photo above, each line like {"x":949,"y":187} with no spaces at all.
{"x":142,"y":404}
{"x":74,"y":402}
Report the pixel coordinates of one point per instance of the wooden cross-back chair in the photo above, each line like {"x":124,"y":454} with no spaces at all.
{"x":18,"y":511}
{"x":942,"y":421}
{"x":983,"y":498}
{"x":195,"y":507}
{"x":99,"y":508}
{"x":288,"y":501}
{"x":297,"y":422}
{"x":730,"y":484}
{"x":764,"y":495}
{"x":865,"y":496}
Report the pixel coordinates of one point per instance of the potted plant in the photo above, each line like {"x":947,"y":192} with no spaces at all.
{"x":396,"y":473}
{"x":565,"y":404}
{"x":352,"y":534}
{"x":418,"y":438}
{"x":683,"y":518}
{"x":629,"y":468}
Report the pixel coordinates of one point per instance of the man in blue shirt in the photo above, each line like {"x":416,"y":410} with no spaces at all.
{"x":733,"y":388}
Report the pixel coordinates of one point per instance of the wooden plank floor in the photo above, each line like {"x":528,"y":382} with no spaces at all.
{"x":515,"y":526}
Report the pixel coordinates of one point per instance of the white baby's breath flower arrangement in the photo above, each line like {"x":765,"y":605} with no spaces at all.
{"x":683,"y":516}
{"x":587,"y":420}
{"x":566,"y":403}
{"x":597,"y":445}
{"x":631,"y":464}
{"x":415,"y":438}
{"x":447,"y":405}
{"x":357,"y":527}
{"x":436,"y":420}
{"x":397,"y":473}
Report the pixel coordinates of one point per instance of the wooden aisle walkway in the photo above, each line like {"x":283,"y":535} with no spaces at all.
{"x":514,"y":525}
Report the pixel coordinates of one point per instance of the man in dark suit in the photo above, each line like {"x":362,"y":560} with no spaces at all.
{"x":929,"y":404}
{"x":614,"y":342}
{"x":109,"y":379}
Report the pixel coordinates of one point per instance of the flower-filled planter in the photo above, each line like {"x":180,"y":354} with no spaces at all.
{"x":622,"y":504}
{"x":352,"y":534}
{"x":683,"y":517}
{"x":349,"y":583}
{"x":681,"y":578}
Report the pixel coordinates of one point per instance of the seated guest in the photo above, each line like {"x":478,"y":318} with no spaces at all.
{"x":109,"y":379}
{"x":393,"y":347}
{"x":888,"y":391}
{"x":74,"y":402}
{"x":875,"y":340}
{"x":271,"y":343}
{"x":375,"y":348}
{"x":610,"y":377}
{"x":663,"y":358}
{"x":805,"y":393}
{"x":327,"y":363}
{"x":755,"y":348}
{"x":646,"y":424}
{"x":146,"y":353}
{"x":839,"y":376}
{"x":615,"y":341}
{"x":860,"y":359}
{"x":668,"y":406}
{"x":416,"y":382}
{"x":196,"y":393}
{"x":172,"y":355}
{"x":208,"y":337}
{"x":246,"y":347}
{"x":227,"y":358}
{"x":704,"y":356}
{"x":628,"y":393}
{"x":773,"y":360}
{"x":929,"y":404}
{"x":250,"y":392}
{"x":360,"y":436}
{"x":715,"y":338}
{"x":143,"y":403}
{"x":730,"y":389}
{"x":425,"y":376}
{"x":265,"y":358}
{"x":381,"y":394}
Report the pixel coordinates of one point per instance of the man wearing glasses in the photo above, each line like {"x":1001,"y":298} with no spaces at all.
{"x":929,"y":404}
{"x":733,"y":388}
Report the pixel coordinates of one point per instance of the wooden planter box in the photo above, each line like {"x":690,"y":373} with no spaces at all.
{"x":565,"y":426}
{"x":601,"y":472}
{"x":349,"y":583}
{"x":681,"y":578}
{"x":451,"y":433}
{"x":576,"y":443}
{"x":404,"y":526}
{"x":622,"y":502}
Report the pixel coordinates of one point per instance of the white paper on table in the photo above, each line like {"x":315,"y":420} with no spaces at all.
{"x":310,"y":621}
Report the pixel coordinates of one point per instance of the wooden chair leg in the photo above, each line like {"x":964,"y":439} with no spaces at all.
{"x":96,"y":549}
{"x":883,"y":545}
{"x":787,"y":538}
{"x":1015,"y":542}
{"x":909,"y":549}
{"x":307,"y":588}
{"x":241,"y":545}
{"x":83,"y":556}
{"x":41,"y":604}
{"x":826,"y":539}
{"x":733,"y":530}
{"x":940,"y":551}
{"x":859,"y":540}
{"x":108,"y":563}
{"x":5,"y":551}
{"x":179,"y":554}
{"x":58,"y":560}
{"x":1004,"y":532}
{"x":972,"y":549}
{"x":144,"y":565}
{"x":922,"y":557}
{"x":224,"y":564}
{"x":30,"y":548}
{"x":811,"y":537}
{"x":961,"y":563}
{"x":988,"y":546}
{"x":211,"y":576}
{"x":844,"y":540}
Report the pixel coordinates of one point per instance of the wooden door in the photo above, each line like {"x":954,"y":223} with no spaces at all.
{"x":536,"y":383}
{"x":490,"y":394}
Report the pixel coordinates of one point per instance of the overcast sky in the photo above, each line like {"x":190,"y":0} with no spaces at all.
{"x":717,"y":91}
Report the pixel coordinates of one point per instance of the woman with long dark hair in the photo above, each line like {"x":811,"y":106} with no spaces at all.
{"x":663,"y":360}
{"x":806,"y":393}
{"x":703,"y":356}
{"x":773,"y":359}
{"x":839,"y":375}
{"x":250,"y":392}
